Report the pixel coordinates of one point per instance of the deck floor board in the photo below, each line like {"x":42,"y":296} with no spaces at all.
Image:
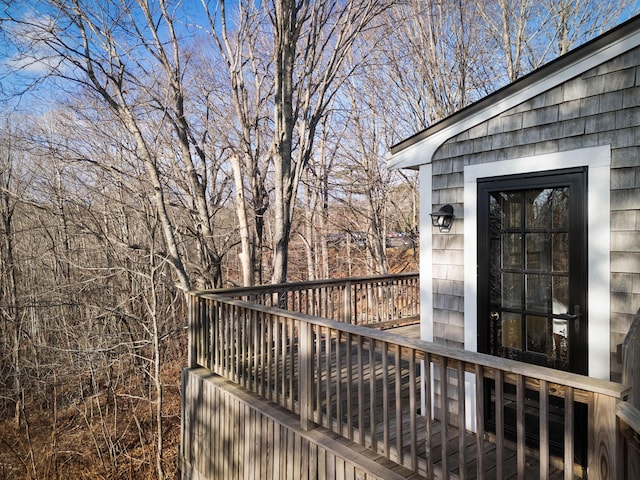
{"x":510,"y":456}
{"x":348,"y":370}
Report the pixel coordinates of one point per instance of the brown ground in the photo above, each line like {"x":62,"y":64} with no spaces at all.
{"x":98,"y":437}
{"x":110,"y":435}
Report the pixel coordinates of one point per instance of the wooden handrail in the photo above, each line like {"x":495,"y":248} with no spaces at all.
{"x":273,"y":288}
{"x":628,"y":411}
{"x":363,"y":383}
{"x":361,"y":300}
{"x":630,"y":415}
{"x":436,"y":350}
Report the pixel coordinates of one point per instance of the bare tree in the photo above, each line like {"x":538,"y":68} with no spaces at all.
{"x":432,"y":62}
{"x":573,"y":22}
{"x":130,"y":57}
{"x":528,"y":34}
{"x":288,"y":55}
{"x":11,"y":326}
{"x":250,"y":85}
{"x":509,"y":25}
{"x":311,"y":41}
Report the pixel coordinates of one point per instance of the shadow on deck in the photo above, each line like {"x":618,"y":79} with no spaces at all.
{"x":347,"y":391}
{"x":391,"y":411}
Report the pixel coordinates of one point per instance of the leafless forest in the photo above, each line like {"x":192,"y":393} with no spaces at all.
{"x":148,"y":147}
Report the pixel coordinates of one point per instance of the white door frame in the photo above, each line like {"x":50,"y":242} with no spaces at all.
{"x":598,"y":162}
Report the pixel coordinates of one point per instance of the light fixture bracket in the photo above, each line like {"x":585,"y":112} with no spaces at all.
{"x":443,"y":218}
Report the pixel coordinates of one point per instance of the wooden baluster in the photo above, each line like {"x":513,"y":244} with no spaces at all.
{"x":372,"y":394}
{"x":242,"y":336}
{"x":291,"y":341}
{"x":479,"y":370}
{"x":318,"y":362}
{"x":349,"y":388}
{"x":225,"y":320}
{"x":305,"y":376}
{"x":219,"y":310}
{"x":568,"y":433}
{"x":427,"y":395}
{"x":338,"y":369}
{"x":462,"y":457}
{"x":327,"y":351}
{"x":385,"y":399}
{"x":444,"y":414}
{"x":278,"y":353}
{"x":271,"y":338}
{"x":544,"y":429}
{"x":499,"y":403}
{"x":253,"y":341}
{"x":398,"y":391}
{"x":347,"y":304}
{"x":193,"y":305}
{"x":360,"y":374}
{"x":603,"y":438}
{"x":413,"y":410}
{"x":520,"y":425}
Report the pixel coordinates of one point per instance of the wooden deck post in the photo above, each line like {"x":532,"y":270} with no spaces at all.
{"x":347,"y":303}
{"x":631,"y":361}
{"x":631,"y":377}
{"x":305,"y":358}
{"x":193,"y":317}
{"x":603,"y":439}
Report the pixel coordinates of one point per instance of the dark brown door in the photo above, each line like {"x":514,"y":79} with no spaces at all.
{"x":532,"y":269}
{"x":532,"y":295}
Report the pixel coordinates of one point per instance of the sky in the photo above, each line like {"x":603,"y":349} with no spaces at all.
{"x":14,"y":81}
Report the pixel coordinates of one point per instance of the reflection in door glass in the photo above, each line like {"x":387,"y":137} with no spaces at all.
{"x":538,"y":251}
{"x":529,"y":274}
{"x":512,"y":290}
{"x":512,"y":250}
{"x":560,"y":208}
{"x":539,"y":208}
{"x":512,"y":331}
{"x":560,"y":249}
{"x":537,"y":333}
{"x":560,"y":342}
{"x":512,"y":206}
{"x":537,"y":292}
{"x":560,"y":286}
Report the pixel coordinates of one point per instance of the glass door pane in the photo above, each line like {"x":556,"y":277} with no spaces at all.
{"x":532,"y":269}
{"x":531,"y":276}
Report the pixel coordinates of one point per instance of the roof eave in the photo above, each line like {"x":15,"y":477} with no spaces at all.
{"x":420,"y":148}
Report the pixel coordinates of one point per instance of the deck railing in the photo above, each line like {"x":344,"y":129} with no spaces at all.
{"x":359,"y":301}
{"x":629,"y":412}
{"x":378,"y":389}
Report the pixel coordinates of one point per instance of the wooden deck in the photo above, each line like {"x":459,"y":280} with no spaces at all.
{"x":386,"y":419}
{"x":344,"y":372}
{"x":230,"y":433}
{"x":408,"y":331}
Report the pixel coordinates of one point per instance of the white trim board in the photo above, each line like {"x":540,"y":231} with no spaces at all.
{"x":426,"y":253}
{"x":422,"y":151}
{"x":598,"y":161}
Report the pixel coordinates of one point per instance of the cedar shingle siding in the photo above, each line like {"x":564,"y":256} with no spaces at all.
{"x":600,"y":107}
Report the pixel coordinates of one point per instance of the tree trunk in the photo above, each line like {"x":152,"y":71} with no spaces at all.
{"x":246,"y":253}
{"x":286,"y":37}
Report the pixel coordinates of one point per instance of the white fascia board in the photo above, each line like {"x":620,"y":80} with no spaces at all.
{"x":422,"y":151}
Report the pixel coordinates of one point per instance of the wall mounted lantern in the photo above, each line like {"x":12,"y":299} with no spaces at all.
{"x":443,"y":218}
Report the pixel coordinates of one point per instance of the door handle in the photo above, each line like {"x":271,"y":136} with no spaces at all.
{"x":569,"y":316}
{"x":494,"y":316}
{"x":574,"y":316}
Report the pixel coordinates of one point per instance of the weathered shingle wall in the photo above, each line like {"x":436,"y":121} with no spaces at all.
{"x":600,"y":107}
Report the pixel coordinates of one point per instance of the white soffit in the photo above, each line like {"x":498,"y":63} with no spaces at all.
{"x":423,"y":150}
